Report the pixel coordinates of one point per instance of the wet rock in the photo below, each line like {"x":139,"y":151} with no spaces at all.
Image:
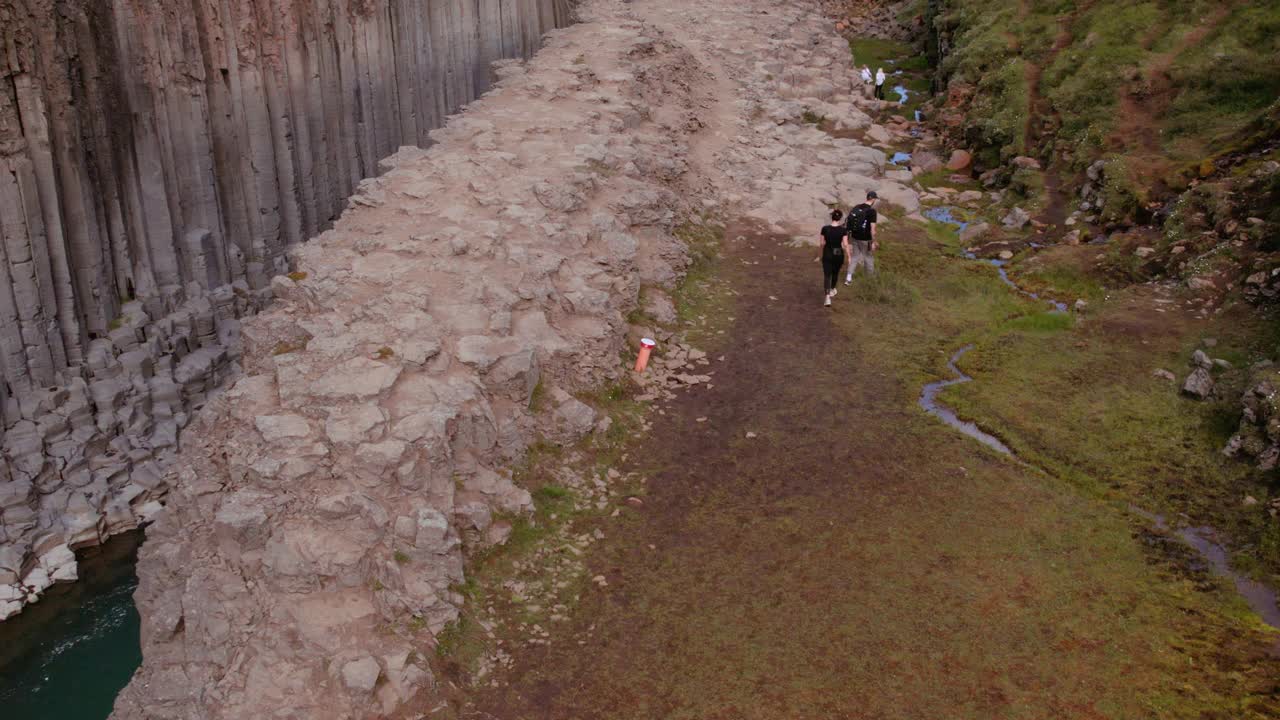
{"x":974,"y":232}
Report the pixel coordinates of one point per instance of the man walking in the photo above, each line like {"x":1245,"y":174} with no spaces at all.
{"x":880,"y":78}
{"x":861,"y":227}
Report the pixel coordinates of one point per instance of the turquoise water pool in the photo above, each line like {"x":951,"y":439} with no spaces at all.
{"x":67,"y":656}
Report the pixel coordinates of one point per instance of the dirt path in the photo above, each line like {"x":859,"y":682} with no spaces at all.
{"x":852,"y":559}
{"x":1138,"y":126}
{"x":812,"y":545}
{"x":1041,"y":110}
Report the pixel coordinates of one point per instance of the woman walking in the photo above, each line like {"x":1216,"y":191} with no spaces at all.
{"x":835,"y":246}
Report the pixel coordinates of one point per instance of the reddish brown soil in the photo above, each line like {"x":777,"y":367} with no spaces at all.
{"x":855,"y":559}
{"x":1140,"y":110}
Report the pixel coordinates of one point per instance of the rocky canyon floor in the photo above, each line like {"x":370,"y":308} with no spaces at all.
{"x":763,"y":525}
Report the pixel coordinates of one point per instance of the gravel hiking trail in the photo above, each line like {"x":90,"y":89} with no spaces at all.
{"x":810,"y":544}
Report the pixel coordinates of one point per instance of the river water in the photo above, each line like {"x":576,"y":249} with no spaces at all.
{"x":69,"y":655}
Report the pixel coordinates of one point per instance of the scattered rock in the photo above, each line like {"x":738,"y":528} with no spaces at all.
{"x":973,"y":232}
{"x":960,"y":160}
{"x":1016,"y":219}
{"x":1199,"y":384}
{"x":1164,"y":375}
{"x":361,"y":675}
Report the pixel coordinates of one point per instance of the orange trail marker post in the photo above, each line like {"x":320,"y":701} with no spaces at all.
{"x":646,"y":347}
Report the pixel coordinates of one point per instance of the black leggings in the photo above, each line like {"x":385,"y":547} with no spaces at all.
{"x":880,"y":91}
{"x":831,"y":265}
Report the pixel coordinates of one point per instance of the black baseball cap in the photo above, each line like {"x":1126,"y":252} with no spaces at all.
{"x":871,"y":195}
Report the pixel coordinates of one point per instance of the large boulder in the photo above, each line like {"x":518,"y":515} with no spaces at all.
{"x":960,"y":160}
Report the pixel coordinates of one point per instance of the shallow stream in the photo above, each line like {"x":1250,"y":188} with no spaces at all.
{"x":69,"y":655}
{"x":1264,"y":600}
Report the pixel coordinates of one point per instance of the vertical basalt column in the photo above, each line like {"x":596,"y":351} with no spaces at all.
{"x":158,"y":160}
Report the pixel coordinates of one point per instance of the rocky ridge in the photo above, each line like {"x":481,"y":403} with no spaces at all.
{"x":328,"y":497}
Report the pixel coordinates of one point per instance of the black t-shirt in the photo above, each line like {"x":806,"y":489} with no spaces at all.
{"x":832,"y":235}
{"x":861,"y":231}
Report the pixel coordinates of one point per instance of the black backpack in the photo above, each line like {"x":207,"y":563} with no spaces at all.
{"x":859,"y":222}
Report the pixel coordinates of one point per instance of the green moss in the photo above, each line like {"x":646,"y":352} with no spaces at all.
{"x":297,"y":276}
{"x":1042,"y":322}
{"x":1121,"y":191}
{"x":888,"y":54}
{"x":284,"y":347}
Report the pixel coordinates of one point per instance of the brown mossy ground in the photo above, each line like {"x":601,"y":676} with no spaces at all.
{"x":858,"y":559}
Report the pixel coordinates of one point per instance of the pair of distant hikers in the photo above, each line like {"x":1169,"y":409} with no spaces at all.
{"x":855,"y":237}
{"x":879,"y":79}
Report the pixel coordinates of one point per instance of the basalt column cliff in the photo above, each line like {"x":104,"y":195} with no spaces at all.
{"x":157,"y":160}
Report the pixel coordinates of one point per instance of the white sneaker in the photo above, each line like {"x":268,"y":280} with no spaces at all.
{"x":848,"y":279}
{"x":827,"y":302}
{"x":834,"y":292}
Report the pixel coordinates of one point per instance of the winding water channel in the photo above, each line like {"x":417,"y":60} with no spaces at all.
{"x":1262,"y":599}
{"x":69,"y":655}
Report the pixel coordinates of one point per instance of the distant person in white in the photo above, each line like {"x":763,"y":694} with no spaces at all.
{"x":880,"y":78}
{"x":867,"y":81}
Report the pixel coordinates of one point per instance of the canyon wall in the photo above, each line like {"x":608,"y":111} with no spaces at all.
{"x":158,"y":159}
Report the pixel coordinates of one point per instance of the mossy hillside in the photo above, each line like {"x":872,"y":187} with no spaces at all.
{"x":1205,"y":70}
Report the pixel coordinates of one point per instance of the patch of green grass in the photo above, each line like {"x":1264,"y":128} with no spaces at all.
{"x":812,"y":117}
{"x":888,"y":54}
{"x":548,"y":494}
{"x":538,"y":398}
{"x":884,"y":288}
{"x":1061,"y":282}
{"x":699,"y":298}
{"x":401,"y":557}
{"x":1042,"y":322}
{"x":941,"y":178}
{"x":284,"y":347}
{"x":297,"y":276}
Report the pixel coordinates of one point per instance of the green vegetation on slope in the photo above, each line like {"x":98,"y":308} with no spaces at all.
{"x":1168,"y":82}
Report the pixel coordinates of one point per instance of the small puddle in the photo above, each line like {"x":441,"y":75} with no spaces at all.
{"x":900,"y":158}
{"x":929,"y":401}
{"x":1262,"y":599}
{"x":903,"y":93}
